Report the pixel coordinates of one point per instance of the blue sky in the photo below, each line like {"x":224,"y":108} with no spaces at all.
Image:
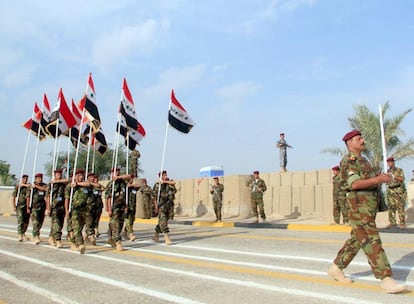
{"x":244,"y":70}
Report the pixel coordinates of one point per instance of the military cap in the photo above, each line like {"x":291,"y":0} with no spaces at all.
{"x":91,"y":174}
{"x":390,"y":159}
{"x":336,"y":168}
{"x":79,"y":171}
{"x":25,"y":175}
{"x":39,"y":175}
{"x":162,"y":172}
{"x":351,"y":134}
{"x":58,"y":171}
{"x":256,"y":172}
{"x":282,"y":133}
{"x":215,"y":177}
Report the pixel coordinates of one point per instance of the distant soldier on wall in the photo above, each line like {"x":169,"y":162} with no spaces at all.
{"x":339,"y":198}
{"x":396,"y":195}
{"x":217,"y":193}
{"x":282,"y":145}
{"x":22,"y":193}
{"x":257,"y":188}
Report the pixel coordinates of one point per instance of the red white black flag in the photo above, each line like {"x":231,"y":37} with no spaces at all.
{"x":61,"y":118}
{"x":88,"y":104}
{"x":178,"y":116}
{"x":34,"y":124}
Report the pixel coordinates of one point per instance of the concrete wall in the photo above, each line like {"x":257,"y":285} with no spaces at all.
{"x":289,"y":194}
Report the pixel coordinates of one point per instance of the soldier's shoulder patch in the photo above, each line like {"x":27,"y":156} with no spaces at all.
{"x":352,"y":157}
{"x":350,"y":173}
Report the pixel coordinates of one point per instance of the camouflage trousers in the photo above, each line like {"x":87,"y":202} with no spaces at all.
{"x":146,"y":206}
{"x":129,"y":220}
{"x":38,"y":217}
{"x":164,"y":213}
{"x":257,"y":203}
{"x":396,"y":204}
{"x":364,"y":235}
{"x":116,"y":223}
{"x":23,"y":218}
{"x":217,"y":205}
{"x":57,"y":221}
{"x":93,"y":213}
{"x":77,"y":223}
{"x":340,"y":207}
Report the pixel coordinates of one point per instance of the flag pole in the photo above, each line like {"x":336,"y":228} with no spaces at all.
{"x":384,"y":151}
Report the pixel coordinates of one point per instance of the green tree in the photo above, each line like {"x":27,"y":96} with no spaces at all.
{"x":368,"y":123}
{"x":6,"y":179}
{"x":99,"y":164}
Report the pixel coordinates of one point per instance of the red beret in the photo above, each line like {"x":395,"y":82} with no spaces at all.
{"x":79,"y":171}
{"x":163,"y":172}
{"x":25,"y":175}
{"x":256,"y":172}
{"x":91,"y":174}
{"x":38,"y":175}
{"x":351,"y":134}
{"x":336,"y":168}
{"x":390,"y":159}
{"x":58,"y":171}
{"x":116,"y":169}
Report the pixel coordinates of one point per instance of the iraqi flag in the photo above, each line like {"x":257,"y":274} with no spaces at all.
{"x":34,"y":124}
{"x":178,"y":116}
{"x":99,"y":142}
{"x":46,"y":112}
{"x":74,"y":131}
{"x":88,"y":104}
{"x":132,"y":137}
{"x":61,"y":119}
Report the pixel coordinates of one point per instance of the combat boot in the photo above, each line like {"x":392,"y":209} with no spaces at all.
{"x":124,"y":234}
{"x":25,"y":237}
{"x":59,"y":244}
{"x":92,"y":239}
{"x":111,"y":242}
{"x":156,"y":237}
{"x":132,"y":237}
{"x":52,"y":241}
{"x":97,"y":232}
{"x":390,"y":286}
{"x":81,"y":249}
{"x":167,"y":239}
{"x":119,"y":246}
{"x":36,"y":240}
{"x":73,"y":246}
{"x":338,"y":275}
{"x":20,"y":238}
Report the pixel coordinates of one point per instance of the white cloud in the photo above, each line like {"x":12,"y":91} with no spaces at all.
{"x":121,"y":43}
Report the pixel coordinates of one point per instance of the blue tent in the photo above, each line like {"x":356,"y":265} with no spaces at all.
{"x":212,"y":171}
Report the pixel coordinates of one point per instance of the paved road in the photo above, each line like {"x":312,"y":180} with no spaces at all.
{"x":205,"y":265}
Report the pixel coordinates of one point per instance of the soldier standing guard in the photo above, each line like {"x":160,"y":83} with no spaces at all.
{"x":257,"y":188}
{"x":166,"y":190}
{"x":282,"y":145}
{"x":396,"y":195}
{"x":147,"y":199}
{"x":38,"y":206}
{"x":217,"y":193}
{"x":22,"y":193}
{"x":339,"y":198}
{"x":116,"y":207}
{"x":363,"y":185}
{"x":55,"y":207}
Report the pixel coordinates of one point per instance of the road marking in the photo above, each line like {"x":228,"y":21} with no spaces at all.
{"x":149,"y":292}
{"x":33,"y":288}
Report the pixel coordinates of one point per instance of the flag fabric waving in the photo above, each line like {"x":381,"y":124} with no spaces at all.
{"x":74,"y":131}
{"x":34,"y":124}
{"x":129,"y":126}
{"x":46,"y":113}
{"x":99,"y":142}
{"x":88,"y":104}
{"x":178,"y":116}
{"x":61,"y":117}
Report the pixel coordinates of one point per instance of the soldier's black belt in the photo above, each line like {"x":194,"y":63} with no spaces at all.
{"x":393,"y":187}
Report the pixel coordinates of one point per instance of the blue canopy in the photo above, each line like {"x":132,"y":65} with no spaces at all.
{"x":212,"y":171}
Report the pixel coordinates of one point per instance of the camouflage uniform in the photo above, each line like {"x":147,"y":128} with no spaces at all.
{"x":38,"y":208}
{"x":165,"y":204}
{"x":118,"y":208}
{"x":97,"y":210}
{"x":217,"y":192}
{"x":363,"y":209}
{"x":23,"y":216}
{"x":147,"y":198}
{"x":396,"y":196}
{"x":78,"y":213}
{"x":257,"y":187}
{"x":57,"y":209}
{"x":340,"y":205}
{"x":134,"y":156}
{"x":132,"y":208}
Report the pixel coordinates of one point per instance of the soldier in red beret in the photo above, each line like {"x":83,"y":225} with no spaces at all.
{"x":362,"y":198}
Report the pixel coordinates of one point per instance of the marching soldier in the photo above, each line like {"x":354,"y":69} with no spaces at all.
{"x":92,"y":207}
{"x":363,"y":185}
{"x":217,"y":193}
{"x":396,"y":195}
{"x":147,"y":199}
{"x":131,"y":210}
{"x":257,"y":188}
{"x":116,"y":206}
{"x":165,"y":190}
{"x":55,"y":207}
{"x":38,"y":206}
{"x":97,"y":192}
{"x":21,"y":206}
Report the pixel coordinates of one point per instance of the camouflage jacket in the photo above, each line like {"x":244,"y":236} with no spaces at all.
{"x":58,"y":193}
{"x":119,"y":192}
{"x":24,"y":194}
{"x":167,"y":192}
{"x":38,"y":197}
{"x":217,"y":192}
{"x":257,"y":187}
{"x":147,"y":193}
{"x":339,"y":186}
{"x":396,"y":185}
{"x":132,"y":197}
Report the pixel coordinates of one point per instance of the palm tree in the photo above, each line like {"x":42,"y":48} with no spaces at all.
{"x":368,"y":123}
